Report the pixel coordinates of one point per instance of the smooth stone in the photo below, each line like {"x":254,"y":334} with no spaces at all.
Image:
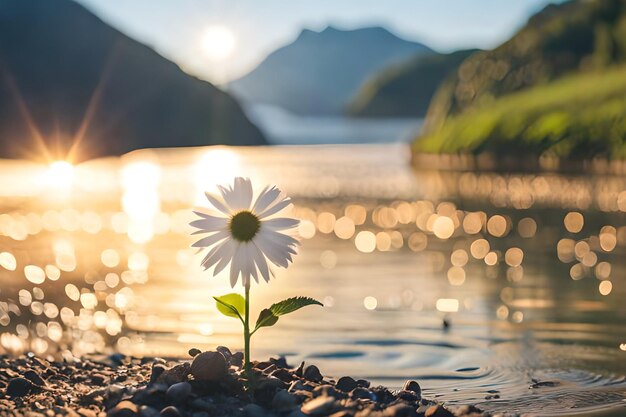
{"x":86,"y":412}
{"x":224,"y":351}
{"x":157,"y":371}
{"x":178,"y":393}
{"x":297,"y":385}
{"x":300,"y":370}
{"x":283,"y":374}
{"x":360,"y":393}
{"x":363,"y":383}
{"x":328,"y":391}
{"x":414,"y":387}
{"x":342,"y":413}
{"x":400,"y":410}
{"x":319,"y":406}
{"x":312,"y":373}
{"x":283,"y":401}
{"x":209,"y":366}
{"x":254,"y":410}
{"x":408,"y":396}
{"x":170,"y":411}
{"x":123,"y":409}
{"x":346,"y":384}
{"x":237,"y":359}
{"x":146,"y":411}
{"x":296,"y":413}
{"x":19,"y":387}
{"x":193,"y":352}
{"x":266,"y":389}
{"x":467,"y":410}
{"x":437,"y":411}
{"x":34,"y":377}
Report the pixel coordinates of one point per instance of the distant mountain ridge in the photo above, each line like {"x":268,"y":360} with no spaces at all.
{"x":556,"y":88}
{"x":406,"y":89}
{"x":577,"y":35}
{"x":61,"y":65}
{"x":319,"y":72}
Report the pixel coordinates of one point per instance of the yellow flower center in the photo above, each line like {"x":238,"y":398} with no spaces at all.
{"x":244,"y":226}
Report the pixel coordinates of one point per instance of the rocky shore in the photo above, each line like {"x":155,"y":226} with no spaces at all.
{"x":210,"y":384}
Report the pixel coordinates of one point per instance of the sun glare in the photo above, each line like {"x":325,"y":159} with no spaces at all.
{"x":218,"y":42}
{"x":60,"y":174}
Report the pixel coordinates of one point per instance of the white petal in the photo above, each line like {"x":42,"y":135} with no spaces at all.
{"x":227,"y":256}
{"x":217,"y":204}
{"x":275,"y":253}
{"x":205,"y":215}
{"x":261,"y":263}
{"x":239,"y":196}
{"x":267,"y":197}
{"x":209,"y":224}
{"x":244,"y":187}
{"x":280,"y":239}
{"x":235,"y":266}
{"x":220,"y":253}
{"x":210,"y":240}
{"x":275,"y":208}
{"x":280,"y":223}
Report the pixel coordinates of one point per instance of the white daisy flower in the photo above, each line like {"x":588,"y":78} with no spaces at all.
{"x":245,"y":234}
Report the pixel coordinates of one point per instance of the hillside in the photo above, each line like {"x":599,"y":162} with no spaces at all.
{"x":579,"y":35}
{"x":577,"y":116}
{"x":320,"y":72}
{"x":66,"y":75}
{"x":405,"y":90}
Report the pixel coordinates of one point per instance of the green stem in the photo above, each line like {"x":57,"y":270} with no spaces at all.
{"x":246,"y":336}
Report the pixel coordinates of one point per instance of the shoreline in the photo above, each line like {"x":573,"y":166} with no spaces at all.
{"x":208,"y":384}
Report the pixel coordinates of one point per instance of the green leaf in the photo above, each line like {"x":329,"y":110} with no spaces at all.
{"x":231,"y":305}
{"x":266,"y":319}
{"x":292,"y":304}
{"x":269,"y":316}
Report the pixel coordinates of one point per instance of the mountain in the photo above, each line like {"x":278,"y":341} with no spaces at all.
{"x":578,"y":35}
{"x":557,"y":87}
{"x":65,"y":76}
{"x":405,"y":90}
{"x":321,"y":71}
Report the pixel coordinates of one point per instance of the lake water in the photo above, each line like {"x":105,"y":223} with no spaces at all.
{"x":528,"y":270}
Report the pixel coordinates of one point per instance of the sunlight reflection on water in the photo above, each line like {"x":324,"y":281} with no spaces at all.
{"x":522,"y":267}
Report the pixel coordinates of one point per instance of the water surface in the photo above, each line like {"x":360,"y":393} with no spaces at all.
{"x":526,"y":270}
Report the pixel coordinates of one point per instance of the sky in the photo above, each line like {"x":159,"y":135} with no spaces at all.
{"x":177,"y":29}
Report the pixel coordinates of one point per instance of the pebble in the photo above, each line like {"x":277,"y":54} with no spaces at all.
{"x":170,"y":411}
{"x":319,"y":406}
{"x":266,"y":389}
{"x":19,"y":387}
{"x":312,"y":373}
{"x":157,"y":371}
{"x":253,"y":410}
{"x":283,"y":374}
{"x":237,"y":359}
{"x":123,"y":409}
{"x":283,"y":401}
{"x":178,"y":373}
{"x":400,"y":410}
{"x":146,"y":411}
{"x":34,"y":377}
{"x":193,"y":352}
{"x":209,"y":366}
{"x":437,"y":411}
{"x":178,"y":393}
{"x":224,"y":351}
{"x":360,"y":393}
{"x":413,"y":386}
{"x":346,"y":384}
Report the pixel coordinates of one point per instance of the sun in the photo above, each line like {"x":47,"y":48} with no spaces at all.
{"x":218,"y":42}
